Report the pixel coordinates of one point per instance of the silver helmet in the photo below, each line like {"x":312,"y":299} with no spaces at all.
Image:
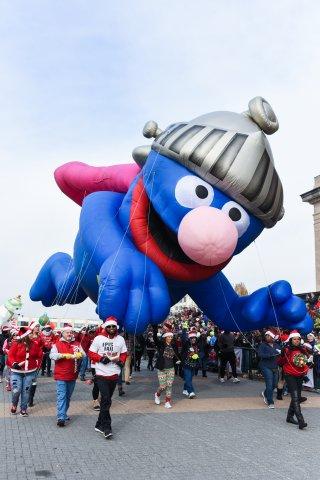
{"x":230,"y":151}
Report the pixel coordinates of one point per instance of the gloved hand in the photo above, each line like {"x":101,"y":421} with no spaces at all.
{"x":78,"y":355}
{"x":198,"y":334}
{"x":278,"y":351}
{"x":119,"y":363}
{"x":16,"y":366}
{"x":178,"y":362}
{"x":310,"y":359}
{"x":105,"y":360}
{"x":185,"y":325}
{"x":67,"y":356}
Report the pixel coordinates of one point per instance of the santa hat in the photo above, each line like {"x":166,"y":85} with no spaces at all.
{"x":24,"y":332}
{"x":167,"y":330}
{"x":192,"y":333}
{"x":110,"y":321}
{"x":294,"y":334}
{"x":67,"y":328}
{"x":14,"y":331}
{"x":271,"y":334}
{"x":5,"y":328}
{"x":33,"y":324}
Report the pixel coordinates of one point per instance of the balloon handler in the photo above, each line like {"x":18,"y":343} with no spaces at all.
{"x":150,"y":233}
{"x":67,"y":354}
{"x":295,"y":360}
{"x":108,"y":352}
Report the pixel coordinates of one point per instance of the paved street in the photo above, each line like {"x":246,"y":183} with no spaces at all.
{"x":226,"y":432}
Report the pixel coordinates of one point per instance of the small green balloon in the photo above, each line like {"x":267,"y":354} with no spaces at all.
{"x":43,"y":320}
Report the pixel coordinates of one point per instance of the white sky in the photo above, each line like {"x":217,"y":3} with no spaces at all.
{"x":79,"y":79}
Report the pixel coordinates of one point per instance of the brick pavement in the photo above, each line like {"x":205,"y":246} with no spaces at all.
{"x":226,"y":432}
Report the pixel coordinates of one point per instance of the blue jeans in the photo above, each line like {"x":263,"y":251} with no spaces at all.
{"x":64,"y":392}
{"x":83,"y":366}
{"x":271,"y":379}
{"x":187,"y":375}
{"x":21,"y":383}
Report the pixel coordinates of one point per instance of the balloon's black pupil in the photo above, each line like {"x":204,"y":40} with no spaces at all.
{"x":201,"y":191}
{"x":235,"y":214}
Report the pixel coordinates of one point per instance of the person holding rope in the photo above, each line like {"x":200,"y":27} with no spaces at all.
{"x":67,"y":354}
{"x":108,"y":352}
{"x":295,"y":361}
{"x":167,"y":357}
{"x":268,"y":351}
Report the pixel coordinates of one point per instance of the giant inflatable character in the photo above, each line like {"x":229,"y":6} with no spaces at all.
{"x":10,"y":310}
{"x":152,"y":232}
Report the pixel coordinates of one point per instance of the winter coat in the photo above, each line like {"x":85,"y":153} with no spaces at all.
{"x":30,"y":357}
{"x":161,"y":345}
{"x":268,"y":354}
{"x":65,"y":369}
{"x":286,"y":360}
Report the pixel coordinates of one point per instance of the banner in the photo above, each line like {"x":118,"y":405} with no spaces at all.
{"x":310,"y":382}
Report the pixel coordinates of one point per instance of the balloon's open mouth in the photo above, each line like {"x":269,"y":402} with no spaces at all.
{"x":165,"y":238}
{"x":153,"y":238}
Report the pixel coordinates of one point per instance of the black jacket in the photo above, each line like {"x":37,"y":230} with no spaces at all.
{"x":160,"y":344}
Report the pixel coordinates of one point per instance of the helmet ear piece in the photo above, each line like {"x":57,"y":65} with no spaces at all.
{"x":263,"y":115}
{"x":140,"y":154}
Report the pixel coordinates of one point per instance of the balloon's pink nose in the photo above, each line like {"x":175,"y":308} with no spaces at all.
{"x":207,"y":236}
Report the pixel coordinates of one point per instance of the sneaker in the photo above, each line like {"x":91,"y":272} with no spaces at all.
{"x":67,"y":419}
{"x":8,"y":388}
{"x":60,"y":423}
{"x":108,"y":435}
{"x":222,"y":380}
{"x":185,"y":392}
{"x":156,"y":399}
{"x":167,"y":405}
{"x":271,"y":405}
{"x":235,"y":380}
{"x":96,"y":405}
{"x":127,"y":383}
{"x":121,"y":393}
{"x":192,"y":395}
{"x":23,"y":413}
{"x":264,"y":398}
{"x":98,"y":430}
{"x":13,"y":410}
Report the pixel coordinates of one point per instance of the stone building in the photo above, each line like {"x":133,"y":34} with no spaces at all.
{"x":313,"y":197}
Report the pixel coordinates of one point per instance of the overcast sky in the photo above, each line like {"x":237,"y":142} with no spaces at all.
{"x":78,"y":80}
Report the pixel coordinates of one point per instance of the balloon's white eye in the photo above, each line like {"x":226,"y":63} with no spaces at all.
{"x":192,"y":192}
{"x":238,"y":215}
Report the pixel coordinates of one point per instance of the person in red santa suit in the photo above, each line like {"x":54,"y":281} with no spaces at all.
{"x":24,"y":359}
{"x":67,"y":354}
{"x":108,"y":352}
{"x":48,"y":339}
{"x":295,"y":361}
{"x":35,"y":335}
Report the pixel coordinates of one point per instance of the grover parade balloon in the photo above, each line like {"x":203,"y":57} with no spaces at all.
{"x":154,"y":231}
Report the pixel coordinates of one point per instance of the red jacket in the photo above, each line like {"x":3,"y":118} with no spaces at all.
{"x":65,"y":369}
{"x":85,"y":341}
{"x":30,"y":359}
{"x":48,"y":341}
{"x":286,"y":360}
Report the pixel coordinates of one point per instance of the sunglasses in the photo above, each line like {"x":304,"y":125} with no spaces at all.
{"x":111,"y":326}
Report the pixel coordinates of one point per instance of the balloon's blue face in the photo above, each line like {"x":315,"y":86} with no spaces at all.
{"x":174,"y":191}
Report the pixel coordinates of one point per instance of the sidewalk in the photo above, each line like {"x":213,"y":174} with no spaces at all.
{"x":225,"y":432}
